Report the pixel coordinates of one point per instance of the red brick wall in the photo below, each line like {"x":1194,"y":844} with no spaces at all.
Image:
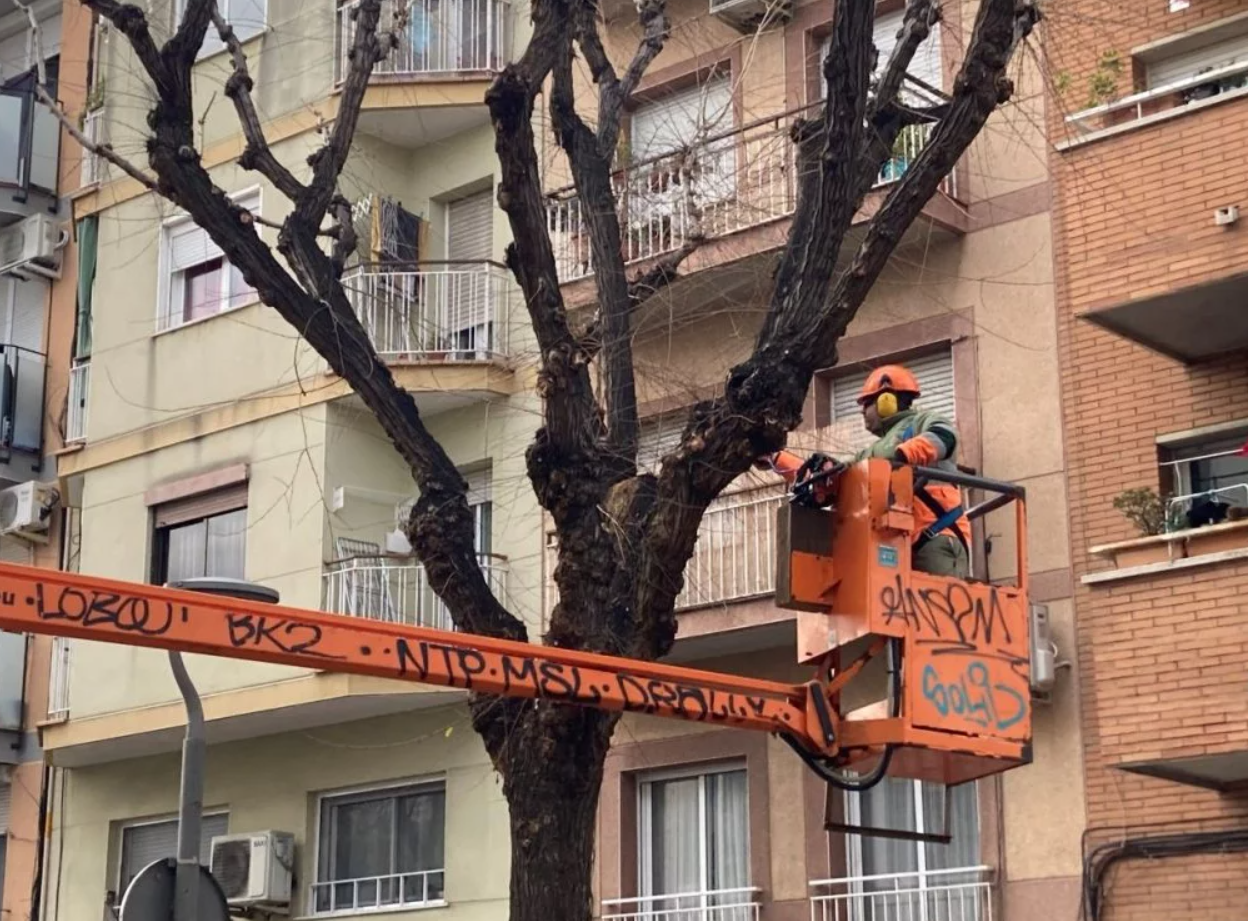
{"x":1163,"y":661}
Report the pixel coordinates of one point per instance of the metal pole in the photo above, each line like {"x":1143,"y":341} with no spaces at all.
{"x":194,"y":752}
{"x":191,"y":807}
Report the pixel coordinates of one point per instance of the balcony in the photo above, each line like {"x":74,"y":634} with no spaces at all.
{"x":930,"y":895}
{"x":79,"y":393}
{"x":1159,"y":103}
{"x":58,"y":681}
{"x":716,"y":905}
{"x":734,"y":182}
{"x":447,"y":56}
{"x":396,"y":590}
{"x":30,"y":143}
{"x":433,"y":312}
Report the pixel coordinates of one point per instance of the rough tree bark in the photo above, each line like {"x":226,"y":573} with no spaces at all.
{"x":624,"y":539}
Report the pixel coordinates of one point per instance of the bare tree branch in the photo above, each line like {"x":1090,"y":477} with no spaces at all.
{"x":327,"y":163}
{"x":257,"y":155}
{"x":614,"y":93}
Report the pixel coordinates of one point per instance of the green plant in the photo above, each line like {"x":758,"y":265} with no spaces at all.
{"x":1103,"y":83}
{"x":1149,"y":512}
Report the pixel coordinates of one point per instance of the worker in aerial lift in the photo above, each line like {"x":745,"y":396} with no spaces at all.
{"x":906,"y":434}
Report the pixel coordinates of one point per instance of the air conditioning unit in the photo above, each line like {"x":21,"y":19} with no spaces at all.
{"x":32,"y":246}
{"x":1043,"y":651}
{"x":255,"y":870}
{"x":748,"y":16}
{"x":25,"y":509}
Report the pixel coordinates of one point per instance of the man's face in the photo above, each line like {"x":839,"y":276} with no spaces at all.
{"x":871,"y":417}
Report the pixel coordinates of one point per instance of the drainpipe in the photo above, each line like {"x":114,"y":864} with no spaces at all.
{"x":194,"y":749}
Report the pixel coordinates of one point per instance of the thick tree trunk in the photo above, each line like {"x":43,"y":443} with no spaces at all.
{"x":551,"y":759}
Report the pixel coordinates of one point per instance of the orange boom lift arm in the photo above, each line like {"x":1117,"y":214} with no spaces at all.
{"x":955,"y":701}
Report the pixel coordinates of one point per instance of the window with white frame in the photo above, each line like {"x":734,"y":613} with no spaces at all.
{"x":145,"y":842}
{"x":908,"y":878}
{"x":1224,"y":57}
{"x":924,"y":66}
{"x":1206,"y":478}
{"x":247,"y":17}
{"x":694,"y":842}
{"x":381,"y":848}
{"x":197,"y":281}
{"x":657,"y":437}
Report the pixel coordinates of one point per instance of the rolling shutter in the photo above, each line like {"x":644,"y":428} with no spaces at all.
{"x":470,"y":228}
{"x":143,"y":844}
{"x":846,"y":434}
{"x":4,"y":808}
{"x":658,"y":437}
{"x":1190,"y":63}
{"x":925,"y":65}
{"x":678,"y":120}
{"x":469,"y":238}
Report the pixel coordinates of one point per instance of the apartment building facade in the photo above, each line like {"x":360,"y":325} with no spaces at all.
{"x":729,"y":825}
{"x":214,"y":442}
{"x":39,"y":170}
{"x":1151,"y":255}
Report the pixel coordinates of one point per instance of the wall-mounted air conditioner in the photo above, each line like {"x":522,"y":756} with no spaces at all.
{"x":32,"y":246}
{"x":255,"y":870}
{"x":1043,"y":651}
{"x":749,"y":16}
{"x":26,"y":510}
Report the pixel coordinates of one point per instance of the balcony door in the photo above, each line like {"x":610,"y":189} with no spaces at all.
{"x":466,"y":296}
{"x":900,"y":880}
{"x":694,"y":845}
{"x":684,"y":164}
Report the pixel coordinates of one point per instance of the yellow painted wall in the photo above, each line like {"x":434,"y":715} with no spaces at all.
{"x":286,"y":457}
{"x":272,"y":783}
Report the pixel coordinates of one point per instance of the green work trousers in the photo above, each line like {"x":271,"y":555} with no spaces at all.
{"x":942,"y":556}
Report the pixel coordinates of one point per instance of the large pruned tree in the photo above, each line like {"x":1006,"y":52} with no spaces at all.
{"x":624,"y":537}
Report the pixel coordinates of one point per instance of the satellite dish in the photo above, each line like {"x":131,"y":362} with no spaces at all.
{"x":149,"y":897}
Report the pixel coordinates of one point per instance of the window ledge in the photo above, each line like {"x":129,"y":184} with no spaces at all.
{"x":216,"y":316}
{"x":1156,"y":117}
{"x":1162,"y":553}
{"x":371,"y":912}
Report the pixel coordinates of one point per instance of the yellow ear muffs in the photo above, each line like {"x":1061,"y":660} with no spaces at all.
{"x":886,"y":405}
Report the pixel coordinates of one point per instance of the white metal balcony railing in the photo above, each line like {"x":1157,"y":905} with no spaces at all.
{"x":372,"y":893}
{"x":716,"y":905}
{"x":455,"y":311}
{"x":92,"y":168}
{"x":737,"y":180}
{"x":734,"y":558}
{"x":396,"y":589}
{"x":58,"y":680}
{"x":79,"y":393}
{"x":932,"y":895}
{"x":1170,"y":97}
{"x":441,"y":37}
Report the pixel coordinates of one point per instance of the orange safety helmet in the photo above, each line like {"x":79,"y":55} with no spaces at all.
{"x":892,"y":378}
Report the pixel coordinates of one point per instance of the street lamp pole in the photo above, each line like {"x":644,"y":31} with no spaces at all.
{"x":194,"y":749}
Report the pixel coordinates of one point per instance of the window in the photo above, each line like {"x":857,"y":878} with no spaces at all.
{"x":197,"y":281}
{"x":29,"y":132}
{"x":694,"y":843}
{"x":1219,"y":54}
{"x":246,"y":16}
{"x":143,"y":843}
{"x":1207,"y":479}
{"x":916,"y":806}
{"x":466,"y":299}
{"x":657,"y":437}
{"x":846,"y":433}
{"x":381,"y":848}
{"x":695,"y":119}
{"x":924,"y":66}
{"x":204,"y":535}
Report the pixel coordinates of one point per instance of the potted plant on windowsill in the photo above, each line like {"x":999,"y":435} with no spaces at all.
{"x":1148,"y":511}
